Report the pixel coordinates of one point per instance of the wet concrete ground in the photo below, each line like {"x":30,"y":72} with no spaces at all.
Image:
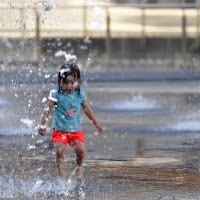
{"x":149,"y":148}
{"x":149,"y":167}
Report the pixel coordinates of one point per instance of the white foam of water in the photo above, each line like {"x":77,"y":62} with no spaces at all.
{"x":188,"y":122}
{"x":44,"y":100}
{"x":16,"y":188}
{"x":31,"y":124}
{"x":68,"y":57}
{"x":72,"y":174}
{"x":47,"y":76}
{"x":136,"y":103}
{"x":28,"y":122}
{"x":11,"y":188}
{"x":39,"y":141}
{"x":186,"y":126}
{"x":31,"y":147}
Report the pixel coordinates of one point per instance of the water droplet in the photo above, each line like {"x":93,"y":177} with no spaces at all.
{"x":47,"y":75}
{"x":69,"y":181}
{"x":44,"y":99}
{"x":96,"y":133}
{"x":40,"y":169}
{"x":32,"y":147}
{"x":39,"y":141}
{"x":24,"y":26}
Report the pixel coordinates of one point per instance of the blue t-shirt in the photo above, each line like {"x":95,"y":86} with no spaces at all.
{"x":67,"y":110}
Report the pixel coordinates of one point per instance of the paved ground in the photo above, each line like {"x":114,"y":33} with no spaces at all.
{"x":130,"y":160}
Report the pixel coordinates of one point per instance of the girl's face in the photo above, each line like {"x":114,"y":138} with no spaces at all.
{"x":69,"y":84}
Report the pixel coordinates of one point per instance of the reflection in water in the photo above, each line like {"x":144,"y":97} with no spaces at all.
{"x":140,"y":145}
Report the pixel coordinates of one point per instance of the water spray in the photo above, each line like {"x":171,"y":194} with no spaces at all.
{"x":68,"y":57}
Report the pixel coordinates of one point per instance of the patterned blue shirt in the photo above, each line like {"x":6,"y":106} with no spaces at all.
{"x":67,"y":110}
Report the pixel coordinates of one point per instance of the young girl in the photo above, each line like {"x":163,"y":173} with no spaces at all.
{"x":66,"y":127}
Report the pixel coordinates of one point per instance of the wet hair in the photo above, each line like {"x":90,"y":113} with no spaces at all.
{"x":69,"y":70}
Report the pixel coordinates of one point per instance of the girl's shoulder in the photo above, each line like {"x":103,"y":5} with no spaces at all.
{"x":53,"y":92}
{"x":81,"y":95}
{"x":53,"y":95}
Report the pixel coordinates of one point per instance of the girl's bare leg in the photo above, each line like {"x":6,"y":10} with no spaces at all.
{"x":60,"y":162}
{"x":79,"y":149}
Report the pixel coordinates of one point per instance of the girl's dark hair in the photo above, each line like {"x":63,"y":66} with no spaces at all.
{"x":69,"y":70}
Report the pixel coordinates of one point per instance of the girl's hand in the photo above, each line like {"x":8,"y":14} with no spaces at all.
{"x":99,"y":128}
{"x":42,"y":131}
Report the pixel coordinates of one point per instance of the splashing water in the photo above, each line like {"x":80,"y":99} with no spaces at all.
{"x":68,"y":57}
{"x":184,"y":123}
{"x":37,"y":187}
{"x":40,"y":187}
{"x":72,"y":174}
{"x":31,"y":124}
{"x":136,"y":103}
{"x":186,"y":126}
{"x":28,"y":122}
{"x":188,"y":122}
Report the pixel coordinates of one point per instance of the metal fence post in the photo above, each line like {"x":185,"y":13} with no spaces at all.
{"x":85,"y":21}
{"x":22,"y":21}
{"x":184,"y":35}
{"x":196,"y":43}
{"x":108,"y":48}
{"x":37,"y":42}
{"x":143,"y":23}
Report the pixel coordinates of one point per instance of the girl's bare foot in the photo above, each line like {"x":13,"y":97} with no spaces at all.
{"x":79,"y":174}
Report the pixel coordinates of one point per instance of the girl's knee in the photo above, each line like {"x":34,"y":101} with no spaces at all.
{"x":79,"y":147}
{"x":60,"y":150}
{"x":80,"y":150}
{"x":60,"y":154}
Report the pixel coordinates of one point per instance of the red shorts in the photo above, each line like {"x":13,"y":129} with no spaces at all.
{"x":66,"y":137}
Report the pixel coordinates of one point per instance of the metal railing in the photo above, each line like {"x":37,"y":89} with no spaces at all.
{"x":104,"y":21}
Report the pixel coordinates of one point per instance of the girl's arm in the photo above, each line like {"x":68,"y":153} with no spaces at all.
{"x":45,"y":114}
{"x":88,"y":111}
